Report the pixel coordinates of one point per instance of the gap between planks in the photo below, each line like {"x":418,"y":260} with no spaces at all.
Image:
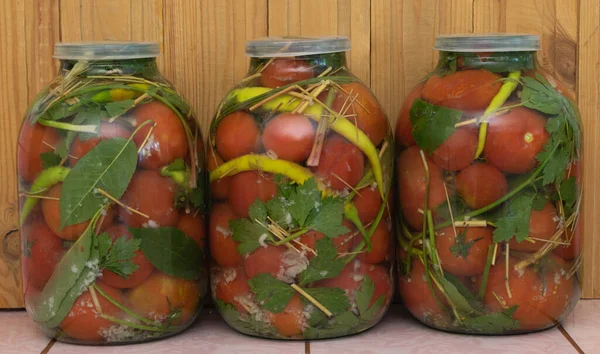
{"x":570,"y":339}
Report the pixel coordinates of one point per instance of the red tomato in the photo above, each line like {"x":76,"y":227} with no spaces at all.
{"x":535,"y":298}
{"x":514,"y":139}
{"x":458,"y":151}
{"x":418,"y":298}
{"x":160,"y":293}
{"x":193,"y":226}
{"x":412,"y":186}
{"x":247,"y":187}
{"x":341,"y":163}
{"x":289,"y":136}
{"x":237,"y":134}
{"x":469,"y":90}
{"x":404,"y":135}
{"x":223,"y":249}
{"x":79,"y":148}
{"x":51,"y":210}
{"x":152,"y":194}
{"x":359,"y":105}
{"x":380,"y":245}
{"x":44,"y":251}
{"x":84,"y":322}
{"x":542,"y":225}
{"x":168,"y":140}
{"x":139,"y":275}
{"x":466,"y":258}
{"x":232,"y":284}
{"x":34,"y":140}
{"x":267,"y":259}
{"x":290,"y":322}
{"x":218,"y":188}
{"x":284,"y":71}
{"x":368,"y":203}
{"x":573,"y":250}
{"x":481,"y":184}
{"x":351,"y":279}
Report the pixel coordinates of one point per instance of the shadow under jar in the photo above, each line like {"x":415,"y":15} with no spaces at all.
{"x":489,"y":185}
{"x":300,"y":156}
{"x":112,"y":181}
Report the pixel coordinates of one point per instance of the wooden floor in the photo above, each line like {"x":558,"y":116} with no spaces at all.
{"x":397,"y":333}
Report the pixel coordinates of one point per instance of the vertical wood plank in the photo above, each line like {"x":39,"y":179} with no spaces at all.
{"x":70,"y":21}
{"x":106,"y":20}
{"x":327,"y":18}
{"x":489,"y":16}
{"x":200,"y":56}
{"x":588,"y":88}
{"x":13,"y":85}
{"x":383,"y":56}
{"x":565,"y":42}
{"x":455,"y":16}
{"x":147,"y":22}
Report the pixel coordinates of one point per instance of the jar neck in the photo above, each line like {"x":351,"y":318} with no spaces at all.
{"x":145,"y":67}
{"x":495,"y":62}
{"x":319,"y":62}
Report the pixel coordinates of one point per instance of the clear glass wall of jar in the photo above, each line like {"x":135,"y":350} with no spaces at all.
{"x":489,"y":188}
{"x":300,"y":156}
{"x":112,"y":184}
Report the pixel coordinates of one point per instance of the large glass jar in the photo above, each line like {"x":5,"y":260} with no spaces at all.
{"x":112,"y":184}
{"x":300,"y":156}
{"x":488,"y":172}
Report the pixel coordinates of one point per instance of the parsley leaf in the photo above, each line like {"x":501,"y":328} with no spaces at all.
{"x":540,"y":95}
{"x":277,"y":208}
{"x":432,"y":124}
{"x":49,"y":159}
{"x":363,"y":298}
{"x":273,"y":294}
{"x":118,"y":256}
{"x":257,"y":211}
{"x":568,"y":191}
{"x":306,"y":198}
{"x":515,"y":219}
{"x":245,"y":324}
{"x":338,"y":326}
{"x":247,"y":234}
{"x":325,"y":264}
{"x":327,"y":217}
{"x":494,"y":323}
{"x":461,"y":247}
{"x":334,"y":299}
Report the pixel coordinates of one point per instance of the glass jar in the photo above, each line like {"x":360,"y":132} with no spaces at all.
{"x":488,"y":172}
{"x":112,"y":180}
{"x":301,"y":163}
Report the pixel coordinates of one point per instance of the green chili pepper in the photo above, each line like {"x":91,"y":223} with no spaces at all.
{"x":47,"y":178}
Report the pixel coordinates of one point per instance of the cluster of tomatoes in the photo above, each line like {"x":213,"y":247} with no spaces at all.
{"x":341,"y":165}
{"x":543,"y":292}
{"x":148,"y":291}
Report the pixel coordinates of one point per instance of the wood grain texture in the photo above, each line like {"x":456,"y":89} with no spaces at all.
{"x":588,"y":90}
{"x":204,"y":55}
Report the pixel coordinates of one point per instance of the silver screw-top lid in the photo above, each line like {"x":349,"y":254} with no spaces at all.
{"x":106,"y":50}
{"x":269,"y":47}
{"x":489,"y":42}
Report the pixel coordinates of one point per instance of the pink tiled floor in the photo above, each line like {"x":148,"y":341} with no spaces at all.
{"x":398,"y":333}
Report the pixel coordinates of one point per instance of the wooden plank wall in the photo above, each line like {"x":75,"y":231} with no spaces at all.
{"x":203,"y":55}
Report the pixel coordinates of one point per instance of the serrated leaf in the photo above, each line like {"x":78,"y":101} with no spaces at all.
{"x":306,"y":198}
{"x":461,"y":248}
{"x":495,"y":323}
{"x":363,"y":297}
{"x":568,"y":191}
{"x":327,"y":217}
{"x":278,"y":211}
{"x":324,"y":265}
{"x":118,"y":108}
{"x":171,"y":251}
{"x":109,"y":166}
{"x":536,"y":95}
{"x":49,"y":159}
{"x":514,"y":220}
{"x":118,"y":258}
{"x":432,"y":124}
{"x":333,"y":299}
{"x":257,"y":211}
{"x":341,"y":324}
{"x":272,"y":293}
{"x":247,"y":234}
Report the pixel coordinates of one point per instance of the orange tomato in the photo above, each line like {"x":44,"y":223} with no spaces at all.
{"x":230,"y":290}
{"x":246,"y":187}
{"x":481,"y":184}
{"x":193,"y":226}
{"x":237,"y":134}
{"x":470,"y":260}
{"x":418,"y":298}
{"x":290,"y":322}
{"x":80,"y":148}
{"x":368,"y":203}
{"x":44,"y":253}
{"x":284,"y":71}
{"x":34,"y":140}
{"x":404,"y":135}
{"x":542,"y":225}
{"x":289,"y":136}
{"x":341,"y":163}
{"x":223,"y":249}
{"x":458,"y":151}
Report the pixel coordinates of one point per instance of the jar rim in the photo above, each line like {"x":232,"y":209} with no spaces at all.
{"x":106,"y":50}
{"x":269,"y":47}
{"x":488,"y":42}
